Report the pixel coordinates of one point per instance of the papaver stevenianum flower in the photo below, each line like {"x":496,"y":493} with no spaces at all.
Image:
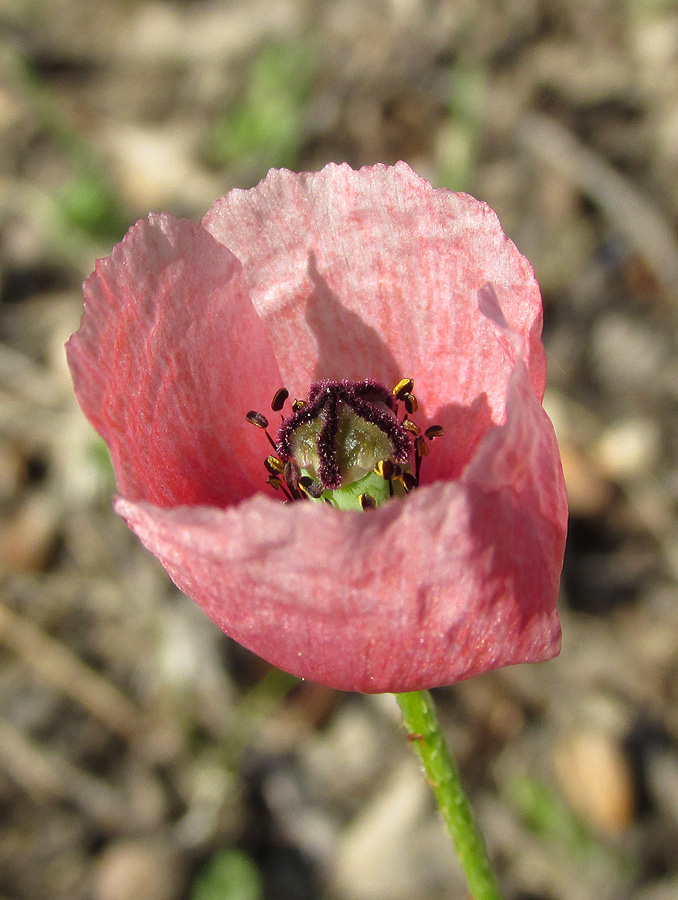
{"x":335,"y":275}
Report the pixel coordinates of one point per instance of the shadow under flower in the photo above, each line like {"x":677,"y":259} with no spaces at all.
{"x":347,"y":347}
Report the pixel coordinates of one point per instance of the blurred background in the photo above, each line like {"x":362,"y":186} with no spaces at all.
{"x":142,"y":754}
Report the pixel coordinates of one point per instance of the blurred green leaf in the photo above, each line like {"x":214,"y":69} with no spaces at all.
{"x":100,"y":458}
{"x":230,"y":875}
{"x":259,"y":702}
{"x":265,"y":126}
{"x":547,"y":814}
{"x":87,"y":202}
{"x":458,"y":138}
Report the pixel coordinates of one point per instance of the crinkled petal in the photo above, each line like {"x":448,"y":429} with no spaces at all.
{"x":456,"y":579}
{"x":169,"y":358}
{"x":375,"y":274}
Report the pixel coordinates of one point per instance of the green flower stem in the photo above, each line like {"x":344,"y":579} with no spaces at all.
{"x":425,"y":734}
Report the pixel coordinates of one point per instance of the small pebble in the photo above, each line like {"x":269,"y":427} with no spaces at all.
{"x":628,"y":448}
{"x":27,"y":536}
{"x":589,"y":493}
{"x":596,"y":777}
{"x":131,"y":870}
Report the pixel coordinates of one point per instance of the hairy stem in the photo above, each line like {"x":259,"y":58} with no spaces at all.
{"x":425,"y":734}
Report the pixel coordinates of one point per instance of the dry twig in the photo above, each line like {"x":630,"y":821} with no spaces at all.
{"x":628,"y":210}
{"x":46,"y":774}
{"x":52,"y":661}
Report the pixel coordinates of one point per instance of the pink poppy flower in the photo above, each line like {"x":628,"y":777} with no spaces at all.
{"x":337,"y":276}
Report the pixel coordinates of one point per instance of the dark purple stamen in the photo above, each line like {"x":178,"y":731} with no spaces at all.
{"x":366,"y":399}
{"x":321,"y":447}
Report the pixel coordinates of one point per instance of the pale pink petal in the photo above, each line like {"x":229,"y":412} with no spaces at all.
{"x":375,"y":274}
{"x":459,"y":578}
{"x":169,"y":358}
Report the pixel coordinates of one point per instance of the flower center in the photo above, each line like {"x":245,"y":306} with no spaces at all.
{"x":347,"y":443}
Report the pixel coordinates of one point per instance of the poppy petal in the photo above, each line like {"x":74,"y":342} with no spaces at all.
{"x":375,"y":274}
{"x":164,"y":366}
{"x":380,"y":243}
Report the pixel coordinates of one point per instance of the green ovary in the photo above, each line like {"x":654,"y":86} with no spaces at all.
{"x":348,"y":496}
{"x":359,"y":446}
